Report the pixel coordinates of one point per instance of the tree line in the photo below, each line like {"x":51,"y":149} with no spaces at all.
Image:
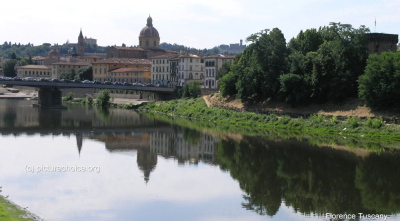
{"x":7,"y":49}
{"x":326,"y":64}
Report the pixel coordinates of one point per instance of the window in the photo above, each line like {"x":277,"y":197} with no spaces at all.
{"x":190,"y":60}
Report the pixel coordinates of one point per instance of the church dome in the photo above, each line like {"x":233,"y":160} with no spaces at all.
{"x":53,"y":53}
{"x":149,"y":31}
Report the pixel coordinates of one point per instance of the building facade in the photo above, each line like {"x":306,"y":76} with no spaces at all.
{"x":34,"y":71}
{"x":212,"y":65}
{"x":103,"y":70}
{"x":164,"y":69}
{"x":191,"y":68}
{"x":62,"y":68}
{"x":131,"y":75}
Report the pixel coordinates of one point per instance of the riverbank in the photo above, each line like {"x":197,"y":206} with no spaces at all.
{"x":196,"y":109}
{"x":353,"y":107}
{"x":12,"y":212}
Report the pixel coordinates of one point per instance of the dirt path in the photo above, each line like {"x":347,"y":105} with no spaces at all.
{"x":350,"y":108}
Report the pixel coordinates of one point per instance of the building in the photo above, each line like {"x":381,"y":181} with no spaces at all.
{"x":34,"y":71}
{"x":191,"y":68}
{"x":131,"y":75}
{"x":90,"y":41}
{"x":164,"y":69}
{"x":44,"y":60}
{"x":102,"y":70}
{"x":149,"y":45}
{"x":80,"y":48}
{"x":126,"y":52}
{"x":380,"y":42}
{"x":61,"y":68}
{"x":212,"y":65}
{"x":149,"y":37}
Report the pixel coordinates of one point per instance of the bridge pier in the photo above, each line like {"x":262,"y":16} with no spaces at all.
{"x":50,"y":97}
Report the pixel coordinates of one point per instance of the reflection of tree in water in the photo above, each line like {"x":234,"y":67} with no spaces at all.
{"x":378,"y":180}
{"x":310,"y":179}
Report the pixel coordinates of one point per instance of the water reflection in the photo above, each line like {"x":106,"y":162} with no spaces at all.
{"x":272,"y":173}
{"x":311,"y":180}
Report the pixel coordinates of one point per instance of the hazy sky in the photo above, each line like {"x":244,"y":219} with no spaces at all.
{"x":195,"y":23}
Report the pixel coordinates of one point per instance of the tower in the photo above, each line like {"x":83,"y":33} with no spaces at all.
{"x":149,"y":37}
{"x":81,"y":45}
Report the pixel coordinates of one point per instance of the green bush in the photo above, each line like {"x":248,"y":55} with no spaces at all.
{"x":69,"y":97}
{"x":353,"y":122}
{"x":375,"y":123}
{"x":191,"y":90}
{"x":284,"y":120}
{"x":104,"y":98}
{"x":380,"y":83}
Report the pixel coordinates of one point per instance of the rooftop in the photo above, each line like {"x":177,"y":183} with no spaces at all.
{"x":123,"y":61}
{"x":31,"y":66}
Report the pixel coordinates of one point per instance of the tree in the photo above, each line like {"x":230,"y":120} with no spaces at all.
{"x":9,"y":68}
{"x":104,"y":98}
{"x":381,"y":80}
{"x":72,"y":75}
{"x":260,"y":66}
{"x":191,"y":89}
{"x":13,"y":56}
{"x":227,"y":84}
{"x":226,"y":67}
{"x":86,"y":73}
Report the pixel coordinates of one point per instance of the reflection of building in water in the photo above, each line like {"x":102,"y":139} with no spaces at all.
{"x":15,"y":113}
{"x":146,"y":160}
{"x":79,"y":142}
{"x":170,"y":144}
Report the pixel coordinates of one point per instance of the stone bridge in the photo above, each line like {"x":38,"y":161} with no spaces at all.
{"x":50,"y":93}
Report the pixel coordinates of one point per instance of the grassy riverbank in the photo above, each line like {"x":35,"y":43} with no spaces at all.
{"x":12,"y":212}
{"x":196,"y":109}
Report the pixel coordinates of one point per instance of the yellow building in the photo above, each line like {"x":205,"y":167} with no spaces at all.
{"x":102,"y":70}
{"x":131,"y":75}
{"x":33,"y":71}
{"x":60,"y":68}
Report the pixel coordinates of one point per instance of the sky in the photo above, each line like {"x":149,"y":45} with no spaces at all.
{"x":193,"y":23}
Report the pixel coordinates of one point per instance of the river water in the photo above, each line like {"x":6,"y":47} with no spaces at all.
{"x":86,"y":163}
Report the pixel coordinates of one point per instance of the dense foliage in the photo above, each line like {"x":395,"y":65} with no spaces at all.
{"x":316,"y":66}
{"x":104,"y":98}
{"x":9,"y":65}
{"x":191,"y":90}
{"x":380,"y":83}
{"x":8,"y":49}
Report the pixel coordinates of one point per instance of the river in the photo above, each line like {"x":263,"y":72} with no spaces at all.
{"x":87,"y":163}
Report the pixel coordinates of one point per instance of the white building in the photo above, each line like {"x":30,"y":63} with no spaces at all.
{"x":163,"y":69}
{"x":191,"y":68}
{"x":212,"y":65}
